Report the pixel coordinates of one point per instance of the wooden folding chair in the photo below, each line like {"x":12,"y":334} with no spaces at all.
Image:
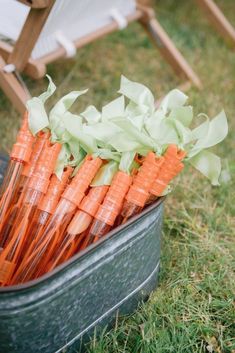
{"x":49,"y":29}
{"x":218,"y":19}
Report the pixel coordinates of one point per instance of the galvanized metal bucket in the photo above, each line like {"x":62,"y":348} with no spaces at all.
{"x":53,"y":313}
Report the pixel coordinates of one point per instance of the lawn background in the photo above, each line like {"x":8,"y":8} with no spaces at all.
{"x":193,"y":308}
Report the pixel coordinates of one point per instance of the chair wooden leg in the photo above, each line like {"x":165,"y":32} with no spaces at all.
{"x":13,"y":89}
{"x":167,"y":47}
{"x":220,"y":22}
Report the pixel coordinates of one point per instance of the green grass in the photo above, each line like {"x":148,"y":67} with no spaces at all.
{"x":193,"y":308}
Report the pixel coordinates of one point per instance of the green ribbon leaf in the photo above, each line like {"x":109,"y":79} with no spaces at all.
{"x":102,"y":131}
{"x":113,"y":109}
{"x":183,"y":114}
{"x":66,"y":102}
{"x":126,"y":162}
{"x":62,"y":160}
{"x":136,"y":117}
{"x":105,"y":153}
{"x":73,"y":124}
{"x":57,"y":112}
{"x":91,"y":115}
{"x":82,"y":159}
{"x":201,"y":131}
{"x":208,"y":164}
{"x":172,"y":129}
{"x":163,"y":131}
{"x":38,"y":119}
{"x":133,"y":110}
{"x":210,"y":133}
{"x":105,"y":174}
{"x":122,"y":143}
{"x":184,"y":134}
{"x":137,"y":93}
{"x":50,"y":90}
{"x":140,"y":137}
{"x":75,"y":151}
{"x":109,"y":135}
{"x":174,"y":99}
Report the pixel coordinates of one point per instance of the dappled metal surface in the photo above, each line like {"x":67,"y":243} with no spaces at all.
{"x":53,"y":313}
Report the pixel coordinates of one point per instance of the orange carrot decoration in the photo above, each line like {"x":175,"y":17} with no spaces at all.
{"x":48,"y":204}
{"x":111,"y":206}
{"x":20,"y":154}
{"x":79,"y":224}
{"x":27,"y":172}
{"x":37,"y":186}
{"x":171,"y":167}
{"x":45,"y":209}
{"x":70,"y":200}
{"x":89,"y":207}
{"x":44,"y":221}
{"x":87,"y":210}
{"x":41,"y":140}
{"x":138,"y":193}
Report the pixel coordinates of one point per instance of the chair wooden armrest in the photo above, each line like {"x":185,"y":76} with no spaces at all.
{"x":36,"y":4}
{"x":29,"y":35}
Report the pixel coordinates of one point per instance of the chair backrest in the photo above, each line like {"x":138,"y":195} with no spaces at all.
{"x":74,"y":19}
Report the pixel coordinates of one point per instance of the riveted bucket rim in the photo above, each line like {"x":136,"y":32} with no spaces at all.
{"x":81,"y":254}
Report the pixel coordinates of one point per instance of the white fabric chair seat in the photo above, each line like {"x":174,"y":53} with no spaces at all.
{"x":73,"y":18}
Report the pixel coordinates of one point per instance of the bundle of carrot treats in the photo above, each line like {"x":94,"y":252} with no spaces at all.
{"x":74,"y":177}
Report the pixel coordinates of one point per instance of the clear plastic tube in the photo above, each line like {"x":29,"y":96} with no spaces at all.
{"x":87,"y":210}
{"x":35,"y":264}
{"x":81,"y":241}
{"x":98,"y":230}
{"x":14,"y":172}
{"x":79,"y":224}
{"x":46,"y":206}
{"x":37,"y":186}
{"x":34,"y":231}
{"x":41,"y":244}
{"x":62,"y":252}
{"x":111,"y":206}
{"x":38,"y":225}
{"x":11,"y":252}
{"x":20,"y":154}
{"x":129,"y":210}
{"x":36,"y":261}
{"x":12,"y":212}
{"x":26,"y":173}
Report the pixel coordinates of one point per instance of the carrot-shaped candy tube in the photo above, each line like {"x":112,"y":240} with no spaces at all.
{"x":47,"y":205}
{"x":70,"y":200}
{"x":171,"y":167}
{"x":90,"y":204}
{"x":87,"y":212}
{"x":20,"y":155}
{"x":57,"y":244}
{"x":138,"y":193}
{"x":28,"y":169}
{"x":111,"y":206}
{"x":79,"y":224}
{"x":27,"y":172}
{"x":37,"y":187}
{"x":45,"y":209}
